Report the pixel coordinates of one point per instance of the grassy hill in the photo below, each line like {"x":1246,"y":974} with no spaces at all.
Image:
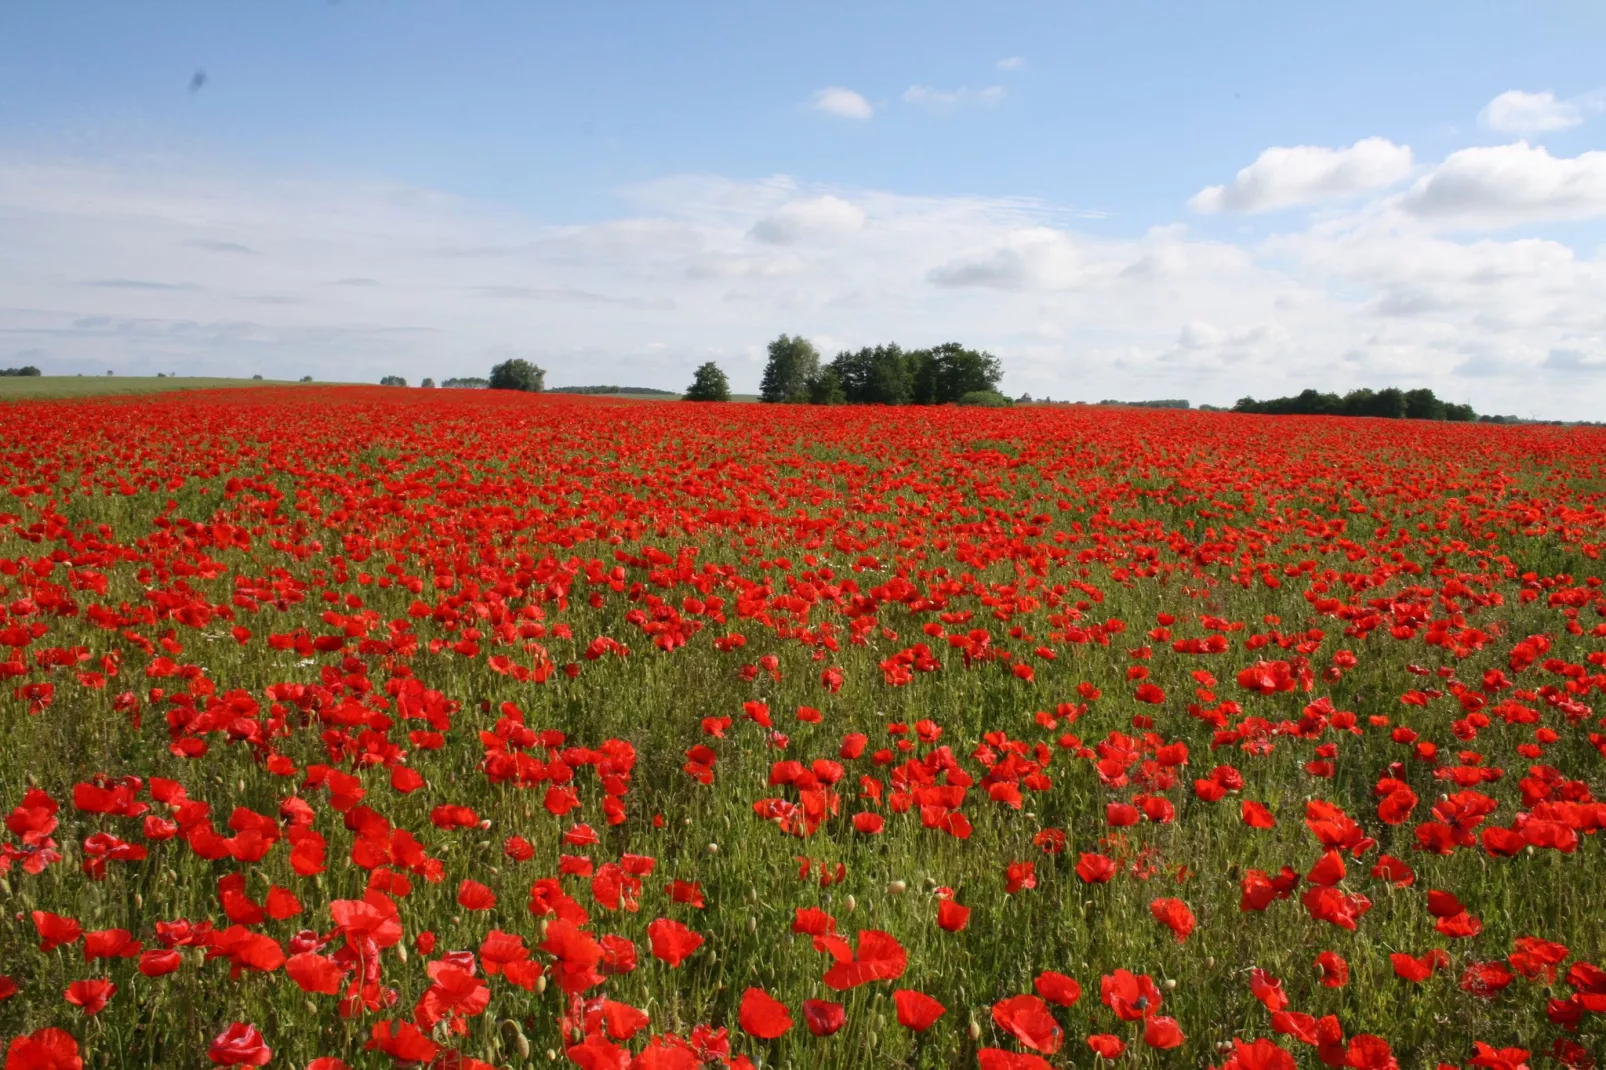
{"x":23,"y":388}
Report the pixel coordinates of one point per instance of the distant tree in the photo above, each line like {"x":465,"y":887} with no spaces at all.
{"x":159,"y":375}
{"x":256,"y":377}
{"x":875,"y":375}
{"x":961,"y":371}
{"x":517,"y":374}
{"x":708,"y":384}
{"x":1390,"y":404}
{"x":27,"y":370}
{"x":1422,"y":404}
{"x":825,"y":388}
{"x":427,"y":382}
{"x":388,"y":380}
{"x":793,"y":362}
{"x":306,"y":378}
{"x":466,"y":382}
{"x":989,"y":399}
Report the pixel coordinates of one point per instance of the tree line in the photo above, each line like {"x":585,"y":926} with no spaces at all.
{"x":880,"y":375}
{"x":1390,"y":404}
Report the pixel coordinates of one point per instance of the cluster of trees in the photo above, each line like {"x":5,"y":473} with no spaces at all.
{"x":25,"y":371}
{"x":1391,"y":403}
{"x":1161,"y":403}
{"x":879,"y":375}
{"x":610,"y":390}
{"x":466,"y":382}
{"x":392,"y":380}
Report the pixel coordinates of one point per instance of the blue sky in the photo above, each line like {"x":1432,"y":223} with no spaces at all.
{"x":620,"y":191}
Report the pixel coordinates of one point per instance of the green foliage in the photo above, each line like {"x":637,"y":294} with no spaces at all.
{"x":518,"y":374}
{"x":466,"y":382}
{"x":1159,"y":403}
{"x":1390,"y":404}
{"x":612,"y":390}
{"x":793,"y":362}
{"x":875,"y":376}
{"x":388,"y":380}
{"x":709,"y":384}
{"x":427,"y":383}
{"x":826,"y":388}
{"x":987,"y":399}
{"x":25,"y":370}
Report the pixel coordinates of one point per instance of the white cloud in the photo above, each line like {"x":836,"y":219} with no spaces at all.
{"x":356,"y":280}
{"x":1517,"y":112}
{"x":842,"y":103}
{"x":1303,"y":174}
{"x":1501,"y":185}
{"x":1012,"y":63}
{"x":948,"y":99}
{"x":815,"y":217}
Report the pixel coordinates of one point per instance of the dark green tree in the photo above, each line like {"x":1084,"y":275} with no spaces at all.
{"x":708,"y":384}
{"x":878,"y":375}
{"x":1423,"y":404}
{"x":962,"y":371}
{"x":826,"y":388}
{"x":386,"y":380}
{"x":793,"y":362}
{"x":517,"y":374}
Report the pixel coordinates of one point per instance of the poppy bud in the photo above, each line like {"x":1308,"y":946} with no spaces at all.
{"x":1210,"y":962}
{"x":713,"y":848}
{"x":401,"y":952}
{"x":551,"y":1056}
{"x":752,"y":924}
{"x":897,"y":888}
{"x":974,"y":1029}
{"x":540,"y":984}
{"x":1169,"y":984}
{"x":849,"y":904}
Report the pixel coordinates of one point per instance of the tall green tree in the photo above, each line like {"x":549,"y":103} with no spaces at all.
{"x":878,"y":375}
{"x":793,"y":362}
{"x":708,"y":384}
{"x":826,"y":388}
{"x":960,"y":371}
{"x":517,"y":374}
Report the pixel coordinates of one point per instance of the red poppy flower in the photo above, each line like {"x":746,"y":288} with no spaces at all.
{"x":673,"y":942}
{"x":44,"y":1049}
{"x":90,"y":996}
{"x":916,"y":1010}
{"x":879,"y":957}
{"x":239,"y":1045}
{"x":822,"y":1017}
{"x":1027,"y":1019}
{"x":1057,"y":988}
{"x":762,"y":1015}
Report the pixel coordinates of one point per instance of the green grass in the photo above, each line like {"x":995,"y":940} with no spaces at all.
{"x":27,"y":388}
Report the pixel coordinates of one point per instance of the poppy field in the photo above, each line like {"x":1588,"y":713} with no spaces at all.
{"x":367,"y":728}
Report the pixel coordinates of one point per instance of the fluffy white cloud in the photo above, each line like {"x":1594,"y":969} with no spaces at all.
{"x":1517,"y":112}
{"x":842,"y":103}
{"x":947,"y":99}
{"x":1012,"y":63}
{"x":814,"y":217}
{"x":354,"y":280}
{"x":1285,"y":177}
{"x":1501,"y":185}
